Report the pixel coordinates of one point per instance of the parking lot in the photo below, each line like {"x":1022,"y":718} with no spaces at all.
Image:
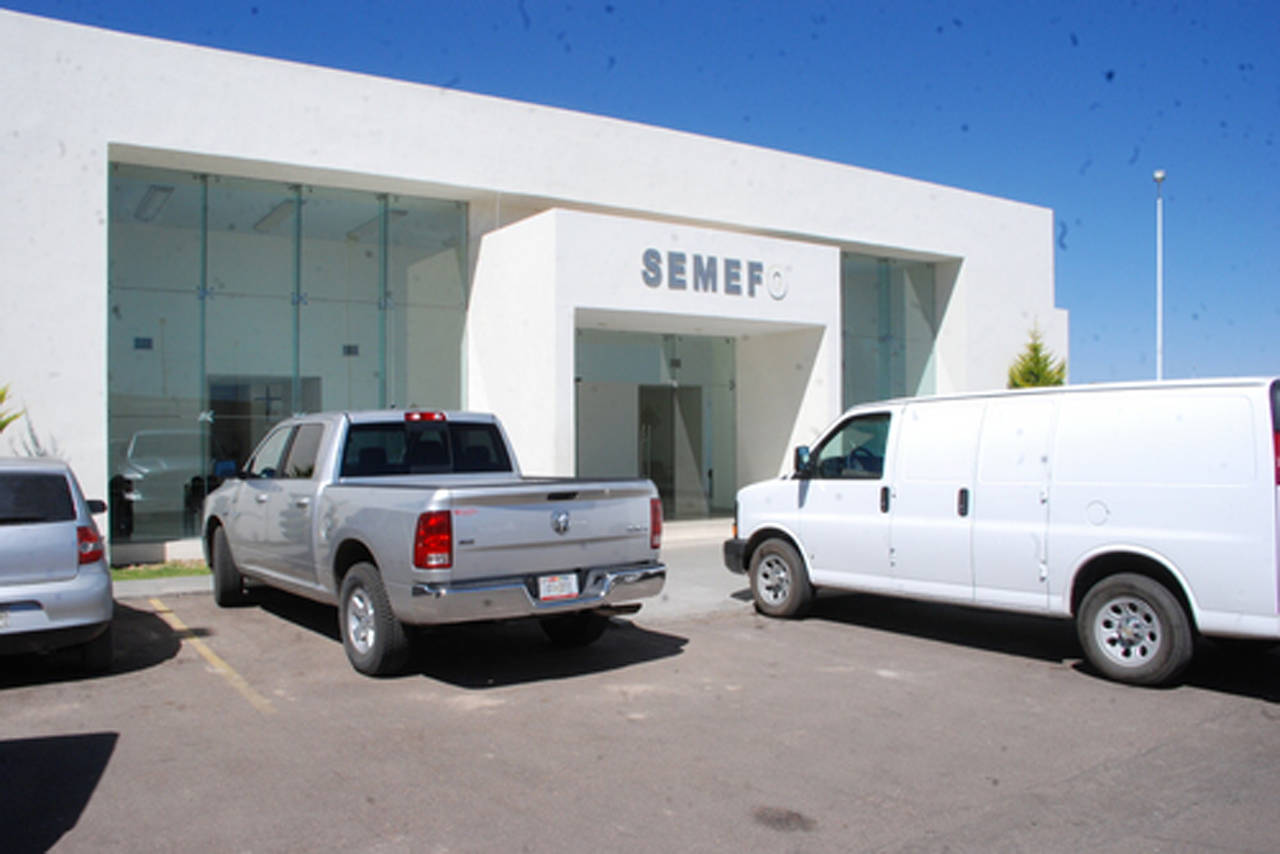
{"x":873,"y":725}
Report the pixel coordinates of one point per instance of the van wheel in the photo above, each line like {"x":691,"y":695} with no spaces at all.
{"x":1134,"y":630}
{"x":779,"y":583}
{"x":578,"y":629}
{"x":375,"y":641}
{"x":228,"y":583}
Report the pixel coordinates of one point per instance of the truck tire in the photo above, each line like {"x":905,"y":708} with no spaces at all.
{"x":779,"y":583}
{"x":375,"y":641}
{"x":1133,"y":629}
{"x":228,"y":583}
{"x":577,"y":629}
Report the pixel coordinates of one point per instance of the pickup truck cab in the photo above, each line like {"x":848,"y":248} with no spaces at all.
{"x":404,"y":518}
{"x":1147,"y":513}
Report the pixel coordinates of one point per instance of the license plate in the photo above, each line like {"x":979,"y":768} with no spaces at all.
{"x":557,"y":586}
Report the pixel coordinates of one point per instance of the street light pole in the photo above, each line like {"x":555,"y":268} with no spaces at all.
{"x":1159,"y":179}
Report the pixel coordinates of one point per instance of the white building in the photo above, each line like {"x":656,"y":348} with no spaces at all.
{"x":198,"y":243}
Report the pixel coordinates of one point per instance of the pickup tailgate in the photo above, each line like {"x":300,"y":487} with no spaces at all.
{"x":527,"y":527}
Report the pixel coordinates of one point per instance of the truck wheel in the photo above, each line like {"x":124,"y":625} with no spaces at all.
{"x":96,"y":655}
{"x":1134,"y":630}
{"x":779,"y":582}
{"x":228,"y":583}
{"x":578,"y":629}
{"x":375,"y":641}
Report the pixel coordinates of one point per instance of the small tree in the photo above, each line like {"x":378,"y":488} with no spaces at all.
{"x":1037,"y":366}
{"x":6,"y":418}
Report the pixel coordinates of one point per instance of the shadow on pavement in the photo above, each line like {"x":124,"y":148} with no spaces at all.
{"x":142,"y":640}
{"x":49,"y":781}
{"x":493,"y":654}
{"x":1241,"y":668}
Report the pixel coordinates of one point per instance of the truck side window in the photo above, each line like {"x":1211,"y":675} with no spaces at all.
{"x":266,"y":460}
{"x":855,"y":451}
{"x":301,"y":462}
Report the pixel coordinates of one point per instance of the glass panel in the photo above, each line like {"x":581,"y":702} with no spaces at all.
{"x":662,"y":407}
{"x":426,"y":302}
{"x":889,"y":326}
{"x":155,"y":387}
{"x":236,"y":303}
{"x":339,"y":321}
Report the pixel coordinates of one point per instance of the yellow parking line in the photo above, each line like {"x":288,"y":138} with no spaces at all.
{"x":225,"y":670}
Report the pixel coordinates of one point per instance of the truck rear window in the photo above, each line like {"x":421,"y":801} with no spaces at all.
{"x":423,"y":448}
{"x":30,"y":497}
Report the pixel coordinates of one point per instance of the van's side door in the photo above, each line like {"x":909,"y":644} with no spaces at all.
{"x":1011,"y":503}
{"x":932,"y":498}
{"x":843,"y":504}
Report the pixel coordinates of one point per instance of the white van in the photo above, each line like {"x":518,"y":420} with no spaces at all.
{"x":1146,"y":512}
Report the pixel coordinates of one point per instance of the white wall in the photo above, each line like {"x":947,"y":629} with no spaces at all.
{"x":76,"y":96}
{"x":538,"y":278}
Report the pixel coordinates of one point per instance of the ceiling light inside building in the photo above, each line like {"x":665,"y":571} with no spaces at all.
{"x":153,"y":201}
{"x":370,"y":228}
{"x":277,"y":215}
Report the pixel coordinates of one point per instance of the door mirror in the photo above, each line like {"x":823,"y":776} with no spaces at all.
{"x":802,"y":464}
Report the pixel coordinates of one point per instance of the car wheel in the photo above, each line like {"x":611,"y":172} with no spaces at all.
{"x":375,"y":641}
{"x":577,"y":629}
{"x":96,"y":655}
{"x":779,"y":583}
{"x":228,"y":583}
{"x":1134,"y":630}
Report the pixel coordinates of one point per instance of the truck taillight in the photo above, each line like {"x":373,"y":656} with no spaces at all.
{"x":433,"y":541}
{"x":1277,"y":456}
{"x":424,"y":416}
{"x":655,"y":523}
{"x":89,"y":543}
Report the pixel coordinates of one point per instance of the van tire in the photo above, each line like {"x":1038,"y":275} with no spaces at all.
{"x":1133,"y":629}
{"x":375,"y":641}
{"x":779,"y":583}
{"x":228,"y":583}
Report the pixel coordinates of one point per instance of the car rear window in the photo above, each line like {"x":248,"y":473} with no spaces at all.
{"x":29,"y":497}
{"x":433,"y":447}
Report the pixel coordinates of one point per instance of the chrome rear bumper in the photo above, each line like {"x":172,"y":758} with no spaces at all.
{"x":505,"y":598}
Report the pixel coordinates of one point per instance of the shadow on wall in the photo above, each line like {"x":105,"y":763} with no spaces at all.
{"x":58,"y":775}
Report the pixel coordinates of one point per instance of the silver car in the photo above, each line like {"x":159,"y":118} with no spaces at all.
{"x":55,"y":585}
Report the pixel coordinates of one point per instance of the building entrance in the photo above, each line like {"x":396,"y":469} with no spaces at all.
{"x":661,"y":407}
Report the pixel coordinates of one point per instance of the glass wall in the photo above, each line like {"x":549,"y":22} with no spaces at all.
{"x":235,"y":303}
{"x":661,"y":407}
{"x":889,"y":324}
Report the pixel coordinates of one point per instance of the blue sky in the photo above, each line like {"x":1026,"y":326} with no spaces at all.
{"x":1066,"y":105}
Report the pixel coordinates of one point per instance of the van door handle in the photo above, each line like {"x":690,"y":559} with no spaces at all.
{"x":962,"y":502}
{"x":884,"y":499}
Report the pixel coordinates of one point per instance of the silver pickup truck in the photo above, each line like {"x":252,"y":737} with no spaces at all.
{"x":404,"y":518}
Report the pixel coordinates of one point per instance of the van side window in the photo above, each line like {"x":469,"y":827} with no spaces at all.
{"x":855,"y":451}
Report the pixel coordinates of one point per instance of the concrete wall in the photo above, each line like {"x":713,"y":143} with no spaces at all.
{"x":77,"y":97}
